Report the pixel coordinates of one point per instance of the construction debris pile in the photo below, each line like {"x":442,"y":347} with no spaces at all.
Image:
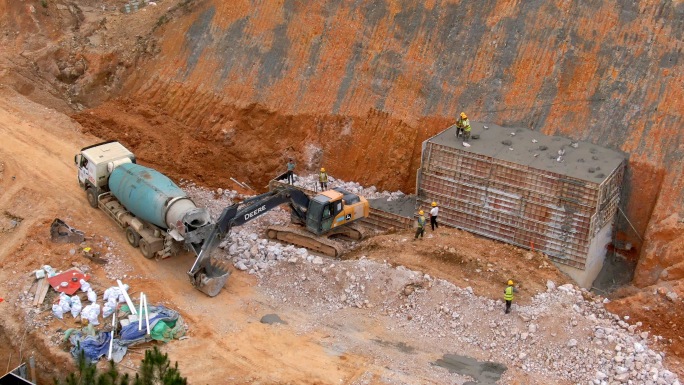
{"x":310,"y":182}
{"x":86,"y":309}
{"x":564,"y":333}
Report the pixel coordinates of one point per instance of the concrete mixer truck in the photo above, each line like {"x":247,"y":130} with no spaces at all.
{"x":156,"y":215}
{"x":160,"y":219}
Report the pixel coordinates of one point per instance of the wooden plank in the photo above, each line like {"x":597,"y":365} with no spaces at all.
{"x":39,"y":289}
{"x":46,"y":287}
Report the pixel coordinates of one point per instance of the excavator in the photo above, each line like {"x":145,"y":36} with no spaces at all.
{"x":326,"y":215}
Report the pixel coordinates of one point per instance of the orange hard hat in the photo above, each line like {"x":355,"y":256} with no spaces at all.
{"x":322,"y":169}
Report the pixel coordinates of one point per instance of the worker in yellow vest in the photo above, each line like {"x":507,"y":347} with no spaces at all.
{"x":508,"y":295}
{"x":463,"y":127}
{"x":323,"y":179}
{"x":421,"y":225}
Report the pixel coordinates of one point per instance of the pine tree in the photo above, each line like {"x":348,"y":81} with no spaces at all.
{"x":155,"y":369}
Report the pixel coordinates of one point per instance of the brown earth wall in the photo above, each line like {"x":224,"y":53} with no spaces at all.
{"x":606,"y":72}
{"x":357,"y":86}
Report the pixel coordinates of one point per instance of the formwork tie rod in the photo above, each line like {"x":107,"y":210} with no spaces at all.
{"x":630,"y":224}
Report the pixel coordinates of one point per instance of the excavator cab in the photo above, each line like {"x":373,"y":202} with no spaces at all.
{"x":333,"y":208}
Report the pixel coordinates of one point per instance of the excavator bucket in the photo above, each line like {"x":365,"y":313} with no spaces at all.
{"x":206,"y":275}
{"x":60,"y":232}
{"x":209,"y":279}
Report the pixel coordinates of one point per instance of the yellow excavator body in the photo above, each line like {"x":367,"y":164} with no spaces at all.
{"x":350,"y":207}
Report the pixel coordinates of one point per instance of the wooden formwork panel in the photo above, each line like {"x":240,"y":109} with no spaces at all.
{"x":559,"y":250}
{"x":511,"y":203}
{"x":440,"y":185}
{"x":580,"y":192}
{"x":564,"y":249}
{"x":542,"y":183}
{"x":383,"y":220}
{"x":448,"y":191}
{"x":501,"y":200}
{"x":550,"y":201}
{"x":527,"y":178}
{"x":475,"y":167}
{"x":460,"y":189}
{"x":448,"y":160}
{"x":611,"y":186}
{"x":514,"y":177}
{"x":605,"y":215}
{"x":536,"y":212}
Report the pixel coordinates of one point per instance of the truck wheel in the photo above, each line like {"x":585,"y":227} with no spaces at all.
{"x":145,"y":249}
{"x":132,"y":237}
{"x":91,"y":195}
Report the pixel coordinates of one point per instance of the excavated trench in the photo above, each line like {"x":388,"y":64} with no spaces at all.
{"x":252,"y":144}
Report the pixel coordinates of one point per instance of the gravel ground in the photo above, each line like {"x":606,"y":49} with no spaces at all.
{"x":564,"y":336}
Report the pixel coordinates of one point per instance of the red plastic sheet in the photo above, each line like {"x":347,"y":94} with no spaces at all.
{"x":72,"y":277}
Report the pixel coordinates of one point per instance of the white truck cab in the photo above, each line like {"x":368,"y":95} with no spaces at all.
{"x":95,"y":163}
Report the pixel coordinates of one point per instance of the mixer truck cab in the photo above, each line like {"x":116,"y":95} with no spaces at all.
{"x":95,"y":164}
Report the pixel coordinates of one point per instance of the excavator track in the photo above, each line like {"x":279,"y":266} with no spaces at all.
{"x":351,"y":231}
{"x":305,"y":239}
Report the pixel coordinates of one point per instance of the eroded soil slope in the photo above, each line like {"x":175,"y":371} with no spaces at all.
{"x":361,"y":85}
{"x":253,"y":144}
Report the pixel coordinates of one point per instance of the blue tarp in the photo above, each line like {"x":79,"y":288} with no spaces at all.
{"x":95,"y":345}
{"x":165,"y":325}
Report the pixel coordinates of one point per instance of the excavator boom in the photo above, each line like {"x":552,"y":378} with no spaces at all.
{"x":210,"y":278}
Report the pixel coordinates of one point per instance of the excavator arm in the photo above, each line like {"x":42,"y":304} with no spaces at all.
{"x":209,"y":278}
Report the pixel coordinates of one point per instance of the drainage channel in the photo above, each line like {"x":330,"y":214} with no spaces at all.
{"x":483,"y":372}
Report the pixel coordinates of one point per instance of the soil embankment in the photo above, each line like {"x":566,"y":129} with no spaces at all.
{"x":357,"y":88}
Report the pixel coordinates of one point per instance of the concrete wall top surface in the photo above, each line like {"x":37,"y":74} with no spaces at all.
{"x":526,"y":147}
{"x":404,"y":206}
